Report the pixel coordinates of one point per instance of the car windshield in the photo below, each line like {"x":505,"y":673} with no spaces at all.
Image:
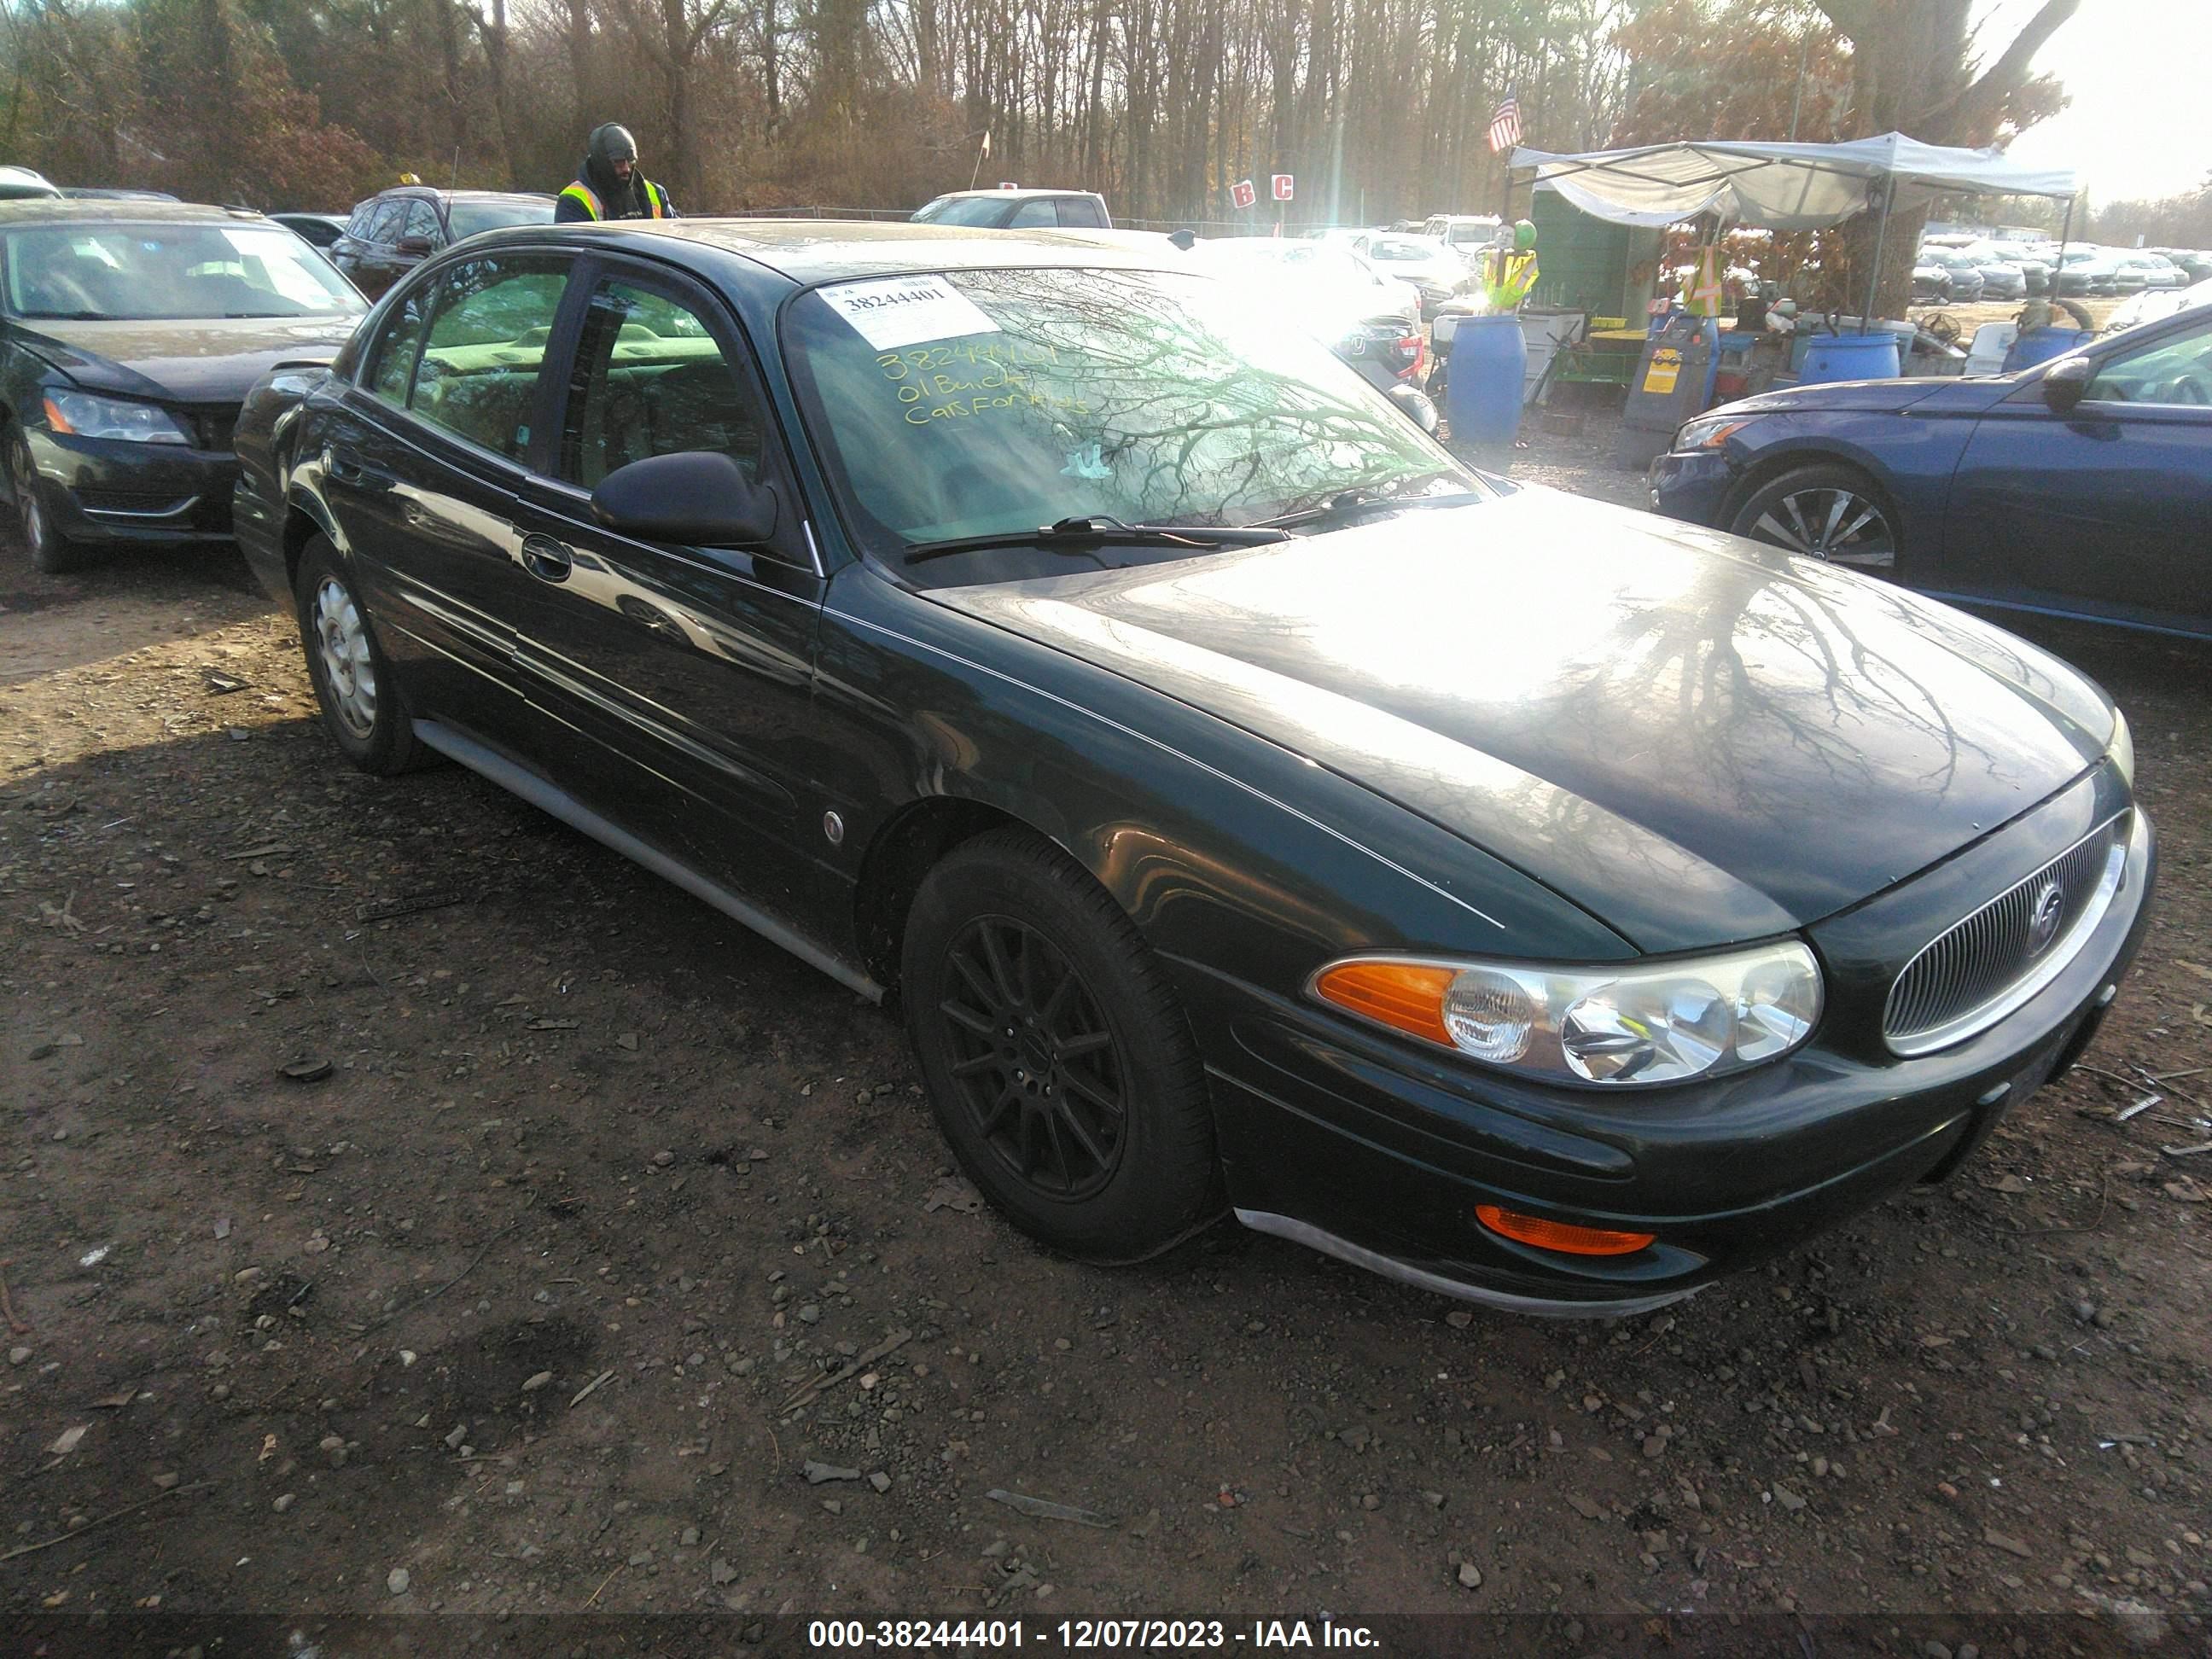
{"x":980,"y":402}
{"x":151,"y":272}
{"x":963,"y":211}
{"x":467,"y":218}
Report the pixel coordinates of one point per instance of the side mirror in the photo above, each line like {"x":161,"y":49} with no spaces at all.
{"x":699,"y":498}
{"x":2063,"y":386}
{"x":1416,"y":405}
{"x":416,"y":247}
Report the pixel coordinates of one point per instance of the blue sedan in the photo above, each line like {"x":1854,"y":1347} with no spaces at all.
{"x":2079,"y":487}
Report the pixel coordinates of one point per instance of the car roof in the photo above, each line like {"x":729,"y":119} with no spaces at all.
{"x":809,"y":250}
{"x":432,"y":192}
{"x":62,"y":210}
{"x":1006,"y":195}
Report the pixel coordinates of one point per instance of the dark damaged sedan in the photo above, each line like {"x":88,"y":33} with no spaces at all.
{"x":1247,"y":807}
{"x":129,"y":333}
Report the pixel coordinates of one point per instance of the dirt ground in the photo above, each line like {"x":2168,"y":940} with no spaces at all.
{"x":410,"y":1206}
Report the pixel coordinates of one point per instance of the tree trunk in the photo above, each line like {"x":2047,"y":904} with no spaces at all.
{"x":580,"y":78}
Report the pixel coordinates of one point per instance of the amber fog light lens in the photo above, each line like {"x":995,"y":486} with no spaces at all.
{"x":1560,"y":1235}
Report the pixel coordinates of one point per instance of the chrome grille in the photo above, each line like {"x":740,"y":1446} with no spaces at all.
{"x":1971,"y":976}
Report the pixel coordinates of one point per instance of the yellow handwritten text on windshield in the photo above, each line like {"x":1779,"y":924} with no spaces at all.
{"x":965,"y":378}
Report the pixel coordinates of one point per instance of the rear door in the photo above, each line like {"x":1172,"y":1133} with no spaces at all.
{"x":686,"y":673}
{"x":421,"y":466}
{"x":2101,"y":511}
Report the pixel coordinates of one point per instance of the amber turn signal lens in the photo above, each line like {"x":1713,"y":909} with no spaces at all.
{"x":56,"y":419}
{"x":1407,"y":995}
{"x":1560,"y":1235}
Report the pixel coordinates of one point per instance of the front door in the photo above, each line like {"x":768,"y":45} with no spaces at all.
{"x":687,"y":671}
{"x":421,"y":470}
{"x":2101,"y":511}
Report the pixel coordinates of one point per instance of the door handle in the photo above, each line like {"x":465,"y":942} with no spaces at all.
{"x":347,"y":471}
{"x":546,"y":559}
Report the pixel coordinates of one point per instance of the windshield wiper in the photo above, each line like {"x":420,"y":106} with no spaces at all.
{"x":1348,"y":504}
{"x":1082,"y":535}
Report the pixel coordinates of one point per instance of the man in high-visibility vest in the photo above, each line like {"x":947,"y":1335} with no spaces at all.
{"x":608,"y":185}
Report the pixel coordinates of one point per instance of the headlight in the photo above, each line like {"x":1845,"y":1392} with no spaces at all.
{"x":2122,"y":749}
{"x":1663,"y":1023}
{"x":84,"y":415}
{"x":1710,"y":433}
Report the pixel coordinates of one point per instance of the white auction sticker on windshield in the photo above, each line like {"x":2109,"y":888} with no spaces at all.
{"x":903,"y":311}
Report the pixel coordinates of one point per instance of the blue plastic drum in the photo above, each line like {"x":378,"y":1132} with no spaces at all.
{"x":1849,"y":357}
{"x":1489,"y":372}
{"x":2040,"y":345}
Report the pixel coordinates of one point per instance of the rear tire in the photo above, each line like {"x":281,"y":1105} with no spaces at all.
{"x":1824,"y":511}
{"x":360,"y":701}
{"x":1058,"y":1061}
{"x":51,"y":551}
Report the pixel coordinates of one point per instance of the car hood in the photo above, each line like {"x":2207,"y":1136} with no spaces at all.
{"x":204,"y":361}
{"x":1892,"y":396}
{"x":1696,"y":738}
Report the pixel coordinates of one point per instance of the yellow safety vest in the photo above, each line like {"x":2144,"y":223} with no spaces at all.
{"x":582,"y":195}
{"x":1705,"y":296}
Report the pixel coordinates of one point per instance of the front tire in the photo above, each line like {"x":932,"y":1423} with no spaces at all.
{"x":1823,"y":512}
{"x":1058,"y":1062}
{"x":51,"y":552}
{"x":360,"y":701}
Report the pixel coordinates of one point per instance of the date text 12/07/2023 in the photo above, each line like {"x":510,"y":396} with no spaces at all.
{"x":1146,"y":1635}
{"x":931,"y":388}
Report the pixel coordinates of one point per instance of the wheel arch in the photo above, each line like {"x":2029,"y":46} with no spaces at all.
{"x":306,"y":518}
{"x":900,"y":856}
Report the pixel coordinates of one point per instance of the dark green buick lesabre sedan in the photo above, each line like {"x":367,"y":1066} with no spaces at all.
{"x":1247,"y":806}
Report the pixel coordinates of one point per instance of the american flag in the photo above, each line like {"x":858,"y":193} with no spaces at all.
{"x":1505,"y":124}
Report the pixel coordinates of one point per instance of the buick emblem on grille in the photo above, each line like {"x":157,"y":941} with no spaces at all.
{"x":2042,"y":920}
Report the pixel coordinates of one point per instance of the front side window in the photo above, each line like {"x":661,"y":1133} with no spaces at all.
{"x":651,"y":380}
{"x":422,"y":220}
{"x":1029,"y":396}
{"x":2176,"y":372}
{"x":384,"y":224}
{"x":478,"y":375}
{"x":1031,"y":215}
{"x":160,"y":271}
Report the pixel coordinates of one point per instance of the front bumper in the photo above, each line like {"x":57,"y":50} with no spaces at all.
{"x":110,"y":490}
{"x":1348,"y":1140}
{"x":1690,"y":484}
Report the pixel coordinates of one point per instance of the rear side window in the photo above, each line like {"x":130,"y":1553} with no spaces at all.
{"x":1081,"y":213}
{"x":478,"y":377}
{"x":392,"y":355}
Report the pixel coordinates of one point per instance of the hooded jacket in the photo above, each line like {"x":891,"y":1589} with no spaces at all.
{"x":598,"y":194}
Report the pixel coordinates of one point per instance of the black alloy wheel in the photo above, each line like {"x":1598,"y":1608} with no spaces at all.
{"x":1036,"y":1067}
{"x":1058,"y":1064}
{"x":1830,"y":512}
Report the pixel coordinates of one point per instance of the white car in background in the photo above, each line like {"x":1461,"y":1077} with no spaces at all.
{"x":1436,"y":272}
{"x":1370,"y":320}
{"x":2154,"y":303}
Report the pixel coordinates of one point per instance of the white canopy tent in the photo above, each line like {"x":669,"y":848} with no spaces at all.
{"x":1781,"y":186}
